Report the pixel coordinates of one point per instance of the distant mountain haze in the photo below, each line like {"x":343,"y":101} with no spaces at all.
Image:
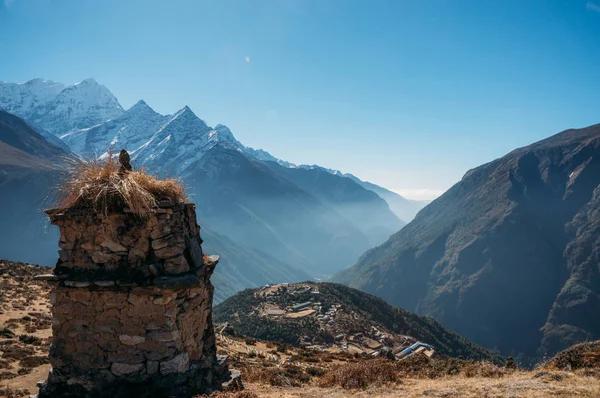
{"x":299,"y":217}
{"x":30,"y":168}
{"x":508,"y":257}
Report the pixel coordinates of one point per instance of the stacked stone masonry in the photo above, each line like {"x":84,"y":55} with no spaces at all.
{"x":132,"y":307}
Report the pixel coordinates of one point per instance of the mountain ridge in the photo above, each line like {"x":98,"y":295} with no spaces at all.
{"x":500,"y":229}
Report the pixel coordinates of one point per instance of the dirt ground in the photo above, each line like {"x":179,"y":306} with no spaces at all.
{"x":519,"y":385}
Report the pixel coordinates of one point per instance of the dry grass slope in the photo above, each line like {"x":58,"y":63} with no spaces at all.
{"x":25,"y":327}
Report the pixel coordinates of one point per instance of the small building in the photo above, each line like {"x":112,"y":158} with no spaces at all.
{"x":301,"y":306}
{"x":275,"y":313}
{"x":372,"y":344}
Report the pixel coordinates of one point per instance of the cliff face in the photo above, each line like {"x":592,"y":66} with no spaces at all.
{"x":508,"y":257}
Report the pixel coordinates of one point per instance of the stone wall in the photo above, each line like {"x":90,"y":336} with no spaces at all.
{"x":124,"y":246}
{"x":132,"y":307}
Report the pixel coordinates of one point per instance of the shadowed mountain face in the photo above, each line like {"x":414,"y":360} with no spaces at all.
{"x":367,"y":211}
{"x":17,"y":134}
{"x":405,"y":209}
{"x":29,"y":168}
{"x":509,"y":256}
{"x":241,"y":267}
{"x":260,"y":209}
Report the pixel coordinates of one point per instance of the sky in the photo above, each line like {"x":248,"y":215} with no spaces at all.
{"x":408,"y":94}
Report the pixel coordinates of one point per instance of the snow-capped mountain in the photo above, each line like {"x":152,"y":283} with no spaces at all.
{"x":58,"y":108}
{"x":130,"y":130}
{"x":90,"y":121}
{"x":313,"y":218}
{"x":24,"y":99}
{"x":169,"y":144}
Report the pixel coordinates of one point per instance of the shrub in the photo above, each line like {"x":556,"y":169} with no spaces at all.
{"x":579,"y":356}
{"x":7,"y":333}
{"x":483,"y":369}
{"x":27,"y":339}
{"x":362,"y":375}
{"x":510,"y":363}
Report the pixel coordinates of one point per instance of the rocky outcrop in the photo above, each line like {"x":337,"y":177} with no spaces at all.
{"x":132,"y":306}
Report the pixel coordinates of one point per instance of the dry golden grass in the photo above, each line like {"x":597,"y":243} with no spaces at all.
{"x":362,"y":374}
{"x":98,"y":185}
{"x":519,"y":384}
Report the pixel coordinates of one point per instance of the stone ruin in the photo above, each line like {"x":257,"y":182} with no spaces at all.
{"x":132,"y":306}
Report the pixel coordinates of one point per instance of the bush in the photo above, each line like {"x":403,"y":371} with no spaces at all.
{"x":483,"y":369}
{"x":579,"y":356}
{"x":510,"y":363}
{"x":362,"y":375}
{"x":30,"y":340}
{"x":7,"y":333}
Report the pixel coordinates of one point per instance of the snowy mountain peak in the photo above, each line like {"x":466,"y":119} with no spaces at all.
{"x":87,"y":82}
{"x":59,"y":109}
{"x":186,"y":115}
{"x":140,"y":107}
{"x":25,"y":99}
{"x":80,"y":106}
{"x":39,"y":82}
{"x":223,"y":134}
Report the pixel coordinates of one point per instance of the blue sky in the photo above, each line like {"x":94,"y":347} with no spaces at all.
{"x":409,"y":94}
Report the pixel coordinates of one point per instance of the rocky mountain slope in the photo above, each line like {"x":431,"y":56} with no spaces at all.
{"x":332,"y":315}
{"x":244,"y":200}
{"x":29,"y":168}
{"x":508,"y":257}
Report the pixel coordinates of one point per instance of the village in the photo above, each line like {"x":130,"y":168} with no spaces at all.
{"x":343,"y":330}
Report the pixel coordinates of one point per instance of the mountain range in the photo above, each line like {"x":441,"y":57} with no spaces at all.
{"x":509,"y":256}
{"x":297,"y":217}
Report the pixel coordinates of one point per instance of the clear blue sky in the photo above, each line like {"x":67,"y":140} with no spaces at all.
{"x":409,"y":94}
